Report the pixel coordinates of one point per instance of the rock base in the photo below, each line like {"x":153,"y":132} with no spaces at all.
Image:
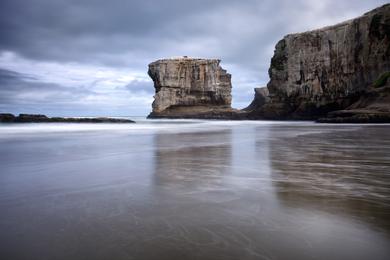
{"x":200,"y":112}
{"x":356,"y":116}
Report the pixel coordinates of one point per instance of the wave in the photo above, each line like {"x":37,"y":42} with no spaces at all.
{"x":141,"y":126}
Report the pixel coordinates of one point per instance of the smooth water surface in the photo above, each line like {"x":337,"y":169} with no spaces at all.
{"x":185,"y":189}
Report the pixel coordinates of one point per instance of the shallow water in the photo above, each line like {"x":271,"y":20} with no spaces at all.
{"x":188,"y":189}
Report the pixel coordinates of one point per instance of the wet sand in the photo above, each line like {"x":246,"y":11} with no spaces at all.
{"x":195,"y":190}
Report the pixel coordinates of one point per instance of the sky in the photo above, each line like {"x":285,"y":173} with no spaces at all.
{"x":90,"y":57}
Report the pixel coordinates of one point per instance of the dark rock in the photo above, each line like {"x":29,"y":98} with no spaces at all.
{"x":89,"y":120}
{"x":373,"y":106}
{"x":7,"y":118}
{"x":261,"y":98}
{"x":29,"y":118}
{"x":33,"y":118}
{"x":356,"y":116}
{"x":200,"y":112}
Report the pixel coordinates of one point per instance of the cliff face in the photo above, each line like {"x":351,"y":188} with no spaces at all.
{"x":373,"y":105}
{"x":319,"y":71}
{"x":260,"y":99}
{"x":189,"y":86}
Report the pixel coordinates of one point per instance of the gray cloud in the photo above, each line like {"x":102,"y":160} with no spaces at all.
{"x":18,"y":88}
{"x":8,"y":76}
{"x":138,"y":86}
{"x":23,"y":93}
{"x":127,"y":34}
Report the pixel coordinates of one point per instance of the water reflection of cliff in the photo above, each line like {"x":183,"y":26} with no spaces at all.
{"x":340,"y":172}
{"x":192,"y":160}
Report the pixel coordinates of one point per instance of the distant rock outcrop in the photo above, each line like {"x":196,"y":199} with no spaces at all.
{"x":191,"y":88}
{"x":36,"y":118}
{"x":321,"y":71}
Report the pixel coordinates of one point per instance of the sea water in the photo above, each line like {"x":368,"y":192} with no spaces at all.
{"x":194,"y":189}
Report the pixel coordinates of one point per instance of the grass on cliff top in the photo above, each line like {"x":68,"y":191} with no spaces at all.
{"x":381,"y":81}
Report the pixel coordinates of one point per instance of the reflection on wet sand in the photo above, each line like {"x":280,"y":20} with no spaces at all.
{"x":184,"y":218}
{"x":190,"y":161}
{"x":344,"y":172}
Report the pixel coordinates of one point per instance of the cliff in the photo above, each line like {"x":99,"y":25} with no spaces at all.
{"x":320,"y":71}
{"x":190,"y":88}
{"x":373,"y":105}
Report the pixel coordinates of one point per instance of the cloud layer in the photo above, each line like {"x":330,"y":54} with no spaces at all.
{"x":68,"y":57}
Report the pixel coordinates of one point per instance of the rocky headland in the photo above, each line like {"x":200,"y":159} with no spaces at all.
{"x":36,"y":118}
{"x":336,"y":74}
{"x":339,"y":72}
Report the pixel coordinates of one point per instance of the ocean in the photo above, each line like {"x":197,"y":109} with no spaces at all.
{"x":195,"y":189}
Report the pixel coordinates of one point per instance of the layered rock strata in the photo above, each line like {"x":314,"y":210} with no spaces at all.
{"x":321,"y":71}
{"x":190,"y":88}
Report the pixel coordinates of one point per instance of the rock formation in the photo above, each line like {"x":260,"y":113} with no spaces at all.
{"x":373,"y":105}
{"x":320,"y":71}
{"x":191,"y":88}
{"x":329,"y":73}
{"x":7,"y":118}
{"x":260,"y":99}
{"x":36,"y":118}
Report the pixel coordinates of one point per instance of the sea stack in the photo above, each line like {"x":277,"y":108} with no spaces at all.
{"x":329,"y":69}
{"x":191,"y":88}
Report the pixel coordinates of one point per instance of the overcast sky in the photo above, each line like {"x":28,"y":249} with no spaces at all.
{"x":90,"y":57}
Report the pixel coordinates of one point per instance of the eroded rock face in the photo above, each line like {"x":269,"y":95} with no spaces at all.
{"x":187,"y":82}
{"x":324,"y":70}
{"x":260,"y":99}
{"x":373,"y":106}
